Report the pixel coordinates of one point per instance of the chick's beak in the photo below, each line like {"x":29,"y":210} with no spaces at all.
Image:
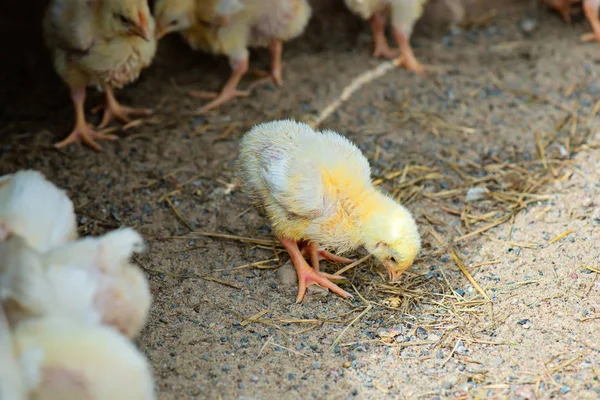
{"x":395,"y":270}
{"x":143,"y":32}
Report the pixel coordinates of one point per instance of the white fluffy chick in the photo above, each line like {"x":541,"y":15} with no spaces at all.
{"x":62,"y":359}
{"x":11,"y":382}
{"x":90,"y":281}
{"x":35,"y":209}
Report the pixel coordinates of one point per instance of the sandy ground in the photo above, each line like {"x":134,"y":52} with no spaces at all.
{"x":527,"y":329}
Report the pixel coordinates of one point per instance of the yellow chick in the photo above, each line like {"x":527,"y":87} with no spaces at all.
{"x":62,"y":359}
{"x":231,"y":27}
{"x":316,"y":188}
{"x":101,"y":43}
{"x":404,"y":14}
{"x":90,"y":281}
{"x":590,"y":8}
{"x":36,"y":210}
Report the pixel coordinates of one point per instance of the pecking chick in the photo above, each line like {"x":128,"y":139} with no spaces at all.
{"x":590,"y":8}
{"x":90,"y":281}
{"x":36,"y":210}
{"x":316,"y":188}
{"x":404,"y":14}
{"x":231,"y":27}
{"x":61,"y":359}
{"x":101,"y":43}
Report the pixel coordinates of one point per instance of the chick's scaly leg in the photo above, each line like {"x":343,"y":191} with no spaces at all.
{"x":276,"y":49}
{"x":408,"y":57}
{"x":590,"y":7}
{"x":381,"y":47}
{"x":82,"y":131}
{"x":563,"y":7}
{"x":229,"y":91}
{"x":308,"y":276}
{"x":315,"y":253}
{"x":113,"y":110}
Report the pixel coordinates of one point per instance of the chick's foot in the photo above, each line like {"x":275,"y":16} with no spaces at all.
{"x":229,"y":91}
{"x":590,"y":7}
{"x":113,"y":110}
{"x":381,"y":47}
{"x":86,"y":134}
{"x":308,"y":276}
{"x":408,"y":59}
{"x":315,"y":253}
{"x":82,"y":132}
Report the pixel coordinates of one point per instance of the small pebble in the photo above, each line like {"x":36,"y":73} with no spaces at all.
{"x":287,"y":274}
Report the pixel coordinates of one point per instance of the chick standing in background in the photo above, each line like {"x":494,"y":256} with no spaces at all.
{"x":404,"y":14}
{"x":90,"y":281}
{"x":590,"y":8}
{"x":316,"y":187}
{"x":36,"y":210}
{"x":230,"y":27}
{"x":563,"y":7}
{"x":103,"y":43}
{"x":66,"y":360}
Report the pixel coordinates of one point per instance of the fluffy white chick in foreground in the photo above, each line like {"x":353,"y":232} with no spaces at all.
{"x":36,"y":210}
{"x":59,"y":358}
{"x":317,"y":191}
{"x":90,"y":280}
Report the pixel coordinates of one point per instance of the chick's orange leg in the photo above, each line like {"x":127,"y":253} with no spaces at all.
{"x":229,"y":91}
{"x":381,"y":48}
{"x":409,"y":61}
{"x":308,"y":276}
{"x":563,"y":7}
{"x":315,"y":253}
{"x":82,"y":131}
{"x":113,"y":110}
{"x":276,"y":49}
{"x":590,"y":7}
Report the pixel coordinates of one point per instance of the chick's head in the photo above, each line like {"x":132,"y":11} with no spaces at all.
{"x":173,"y":16}
{"x":128,"y":18}
{"x":391,"y":235}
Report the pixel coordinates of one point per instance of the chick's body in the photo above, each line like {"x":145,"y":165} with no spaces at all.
{"x":90,"y":281}
{"x":63,"y":359}
{"x":101,"y":43}
{"x":231,"y":27}
{"x":403,"y":13}
{"x":316,"y":187}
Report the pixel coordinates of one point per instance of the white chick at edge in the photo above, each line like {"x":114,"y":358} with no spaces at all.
{"x":35,"y":209}
{"x":11,"y":381}
{"x":90,"y":280}
{"x":62,"y":359}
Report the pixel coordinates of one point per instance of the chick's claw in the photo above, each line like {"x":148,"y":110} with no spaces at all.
{"x":308,"y":276}
{"x":113,"y":110}
{"x":85,"y":134}
{"x":315,"y":254}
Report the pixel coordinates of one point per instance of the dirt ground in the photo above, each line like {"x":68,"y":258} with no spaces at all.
{"x":512,"y":115}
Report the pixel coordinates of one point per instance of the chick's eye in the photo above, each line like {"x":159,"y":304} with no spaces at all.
{"x":393,"y":259}
{"x":124,"y":19}
{"x":173,"y":23}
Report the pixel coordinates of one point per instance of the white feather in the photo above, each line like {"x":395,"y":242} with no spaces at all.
{"x":35,"y":209}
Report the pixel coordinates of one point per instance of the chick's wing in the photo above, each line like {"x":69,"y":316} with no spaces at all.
{"x":72,"y":23}
{"x":295,"y":181}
